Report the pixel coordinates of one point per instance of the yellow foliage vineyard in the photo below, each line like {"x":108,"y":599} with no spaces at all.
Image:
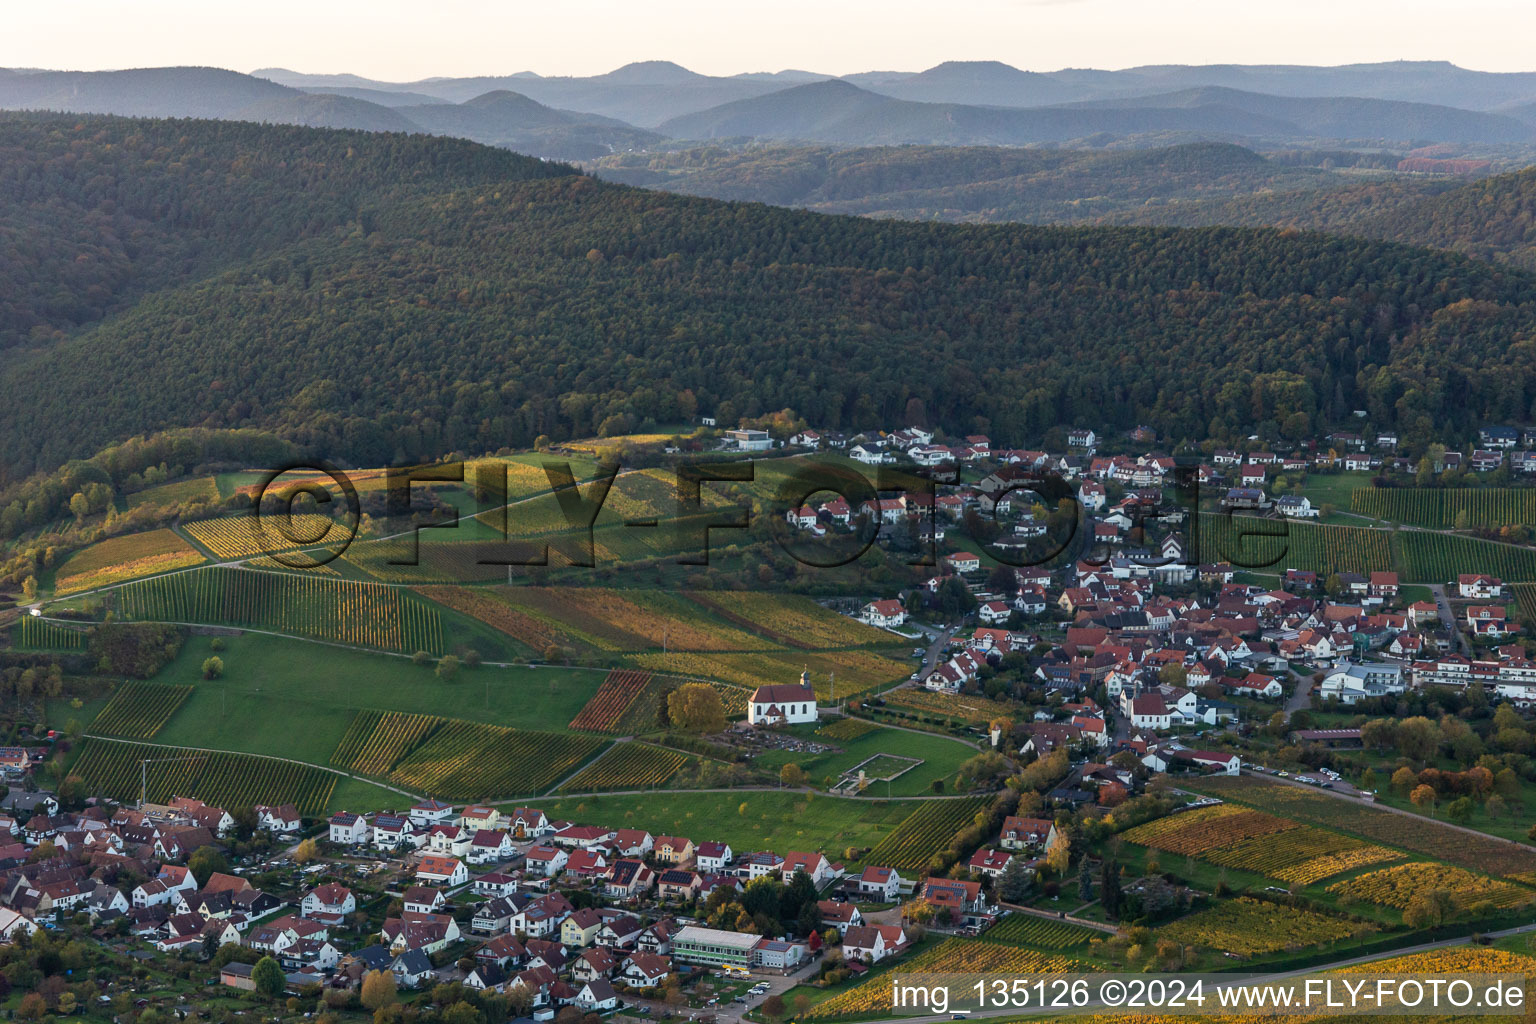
{"x":124,"y":558}
{"x":249,"y":535}
{"x":1248,"y":840}
{"x":375,"y":741}
{"x":790,"y":619}
{"x":348,"y":611}
{"x":1248,"y":927}
{"x":471,"y":761}
{"x":1397,"y":886}
{"x":952,"y":956}
{"x":626,"y":766}
{"x":1194,"y":832}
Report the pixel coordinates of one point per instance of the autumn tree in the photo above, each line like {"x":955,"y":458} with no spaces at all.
{"x":793,"y":775}
{"x":696,"y":707}
{"x":1423,"y":798}
{"x":1058,"y":856}
{"x":306,"y":852}
{"x":378,"y":989}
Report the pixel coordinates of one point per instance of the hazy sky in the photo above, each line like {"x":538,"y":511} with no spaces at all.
{"x":399,"y":40}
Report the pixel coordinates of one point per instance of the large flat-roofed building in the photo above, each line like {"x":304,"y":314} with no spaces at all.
{"x":714,"y":947}
{"x":751,"y":440}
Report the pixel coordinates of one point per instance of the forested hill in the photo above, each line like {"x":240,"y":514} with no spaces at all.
{"x":98,"y":211}
{"x":487,"y":315}
{"x":1492,"y":219}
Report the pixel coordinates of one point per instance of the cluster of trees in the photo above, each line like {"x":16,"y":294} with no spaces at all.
{"x":767,"y":906}
{"x":609,"y":301}
{"x":138,"y":649}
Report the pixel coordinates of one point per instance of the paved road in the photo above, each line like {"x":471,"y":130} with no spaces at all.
{"x":1447,"y":616}
{"x":1301,"y":697}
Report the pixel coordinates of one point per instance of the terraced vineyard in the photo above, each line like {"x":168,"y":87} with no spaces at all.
{"x":1235,"y":837}
{"x":218,"y":777}
{"x":1407,"y":832}
{"x":790,"y":619}
{"x":346,"y":611}
{"x":626,"y":766}
{"x":139,"y":710}
{"x":1250,"y":927}
{"x":1525,"y":596}
{"x":1438,"y":508}
{"x":375,"y":741}
{"x":1039,"y":933}
{"x":1397,"y":886}
{"x":607,"y":708}
{"x":472,"y":761}
{"x":1437,"y":557}
{"x":42,"y":635}
{"x":249,"y":535}
{"x":1273,"y":544}
{"x":124,"y":558}
{"x":1208,"y":828}
{"x":927,"y":830}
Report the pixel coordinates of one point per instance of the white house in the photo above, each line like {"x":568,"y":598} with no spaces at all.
{"x":712,"y":858}
{"x":348,"y":829}
{"x":994,"y":612}
{"x":880,"y":883}
{"x":885,"y":613}
{"x":1476,"y":586}
{"x":437,"y":870}
{"x":329,"y":901}
{"x":392,"y":830}
{"x":282,"y":819}
{"x":431,"y":812}
{"x":545,"y":861}
{"x":813,"y":864}
{"x":1297,"y":507}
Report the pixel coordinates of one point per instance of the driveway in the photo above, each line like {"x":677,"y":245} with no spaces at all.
{"x":1301,"y":697}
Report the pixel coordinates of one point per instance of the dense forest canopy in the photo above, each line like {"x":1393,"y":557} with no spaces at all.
{"x":97,"y":211}
{"x":484,"y":315}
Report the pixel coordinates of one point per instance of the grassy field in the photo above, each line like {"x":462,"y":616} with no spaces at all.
{"x":1335,"y":489}
{"x":941,"y":757}
{"x":294,"y":699}
{"x":778,"y":821}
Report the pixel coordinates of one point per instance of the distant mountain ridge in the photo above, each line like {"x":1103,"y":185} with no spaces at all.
{"x":493,"y":117}
{"x":840,"y":113}
{"x":963,"y":103}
